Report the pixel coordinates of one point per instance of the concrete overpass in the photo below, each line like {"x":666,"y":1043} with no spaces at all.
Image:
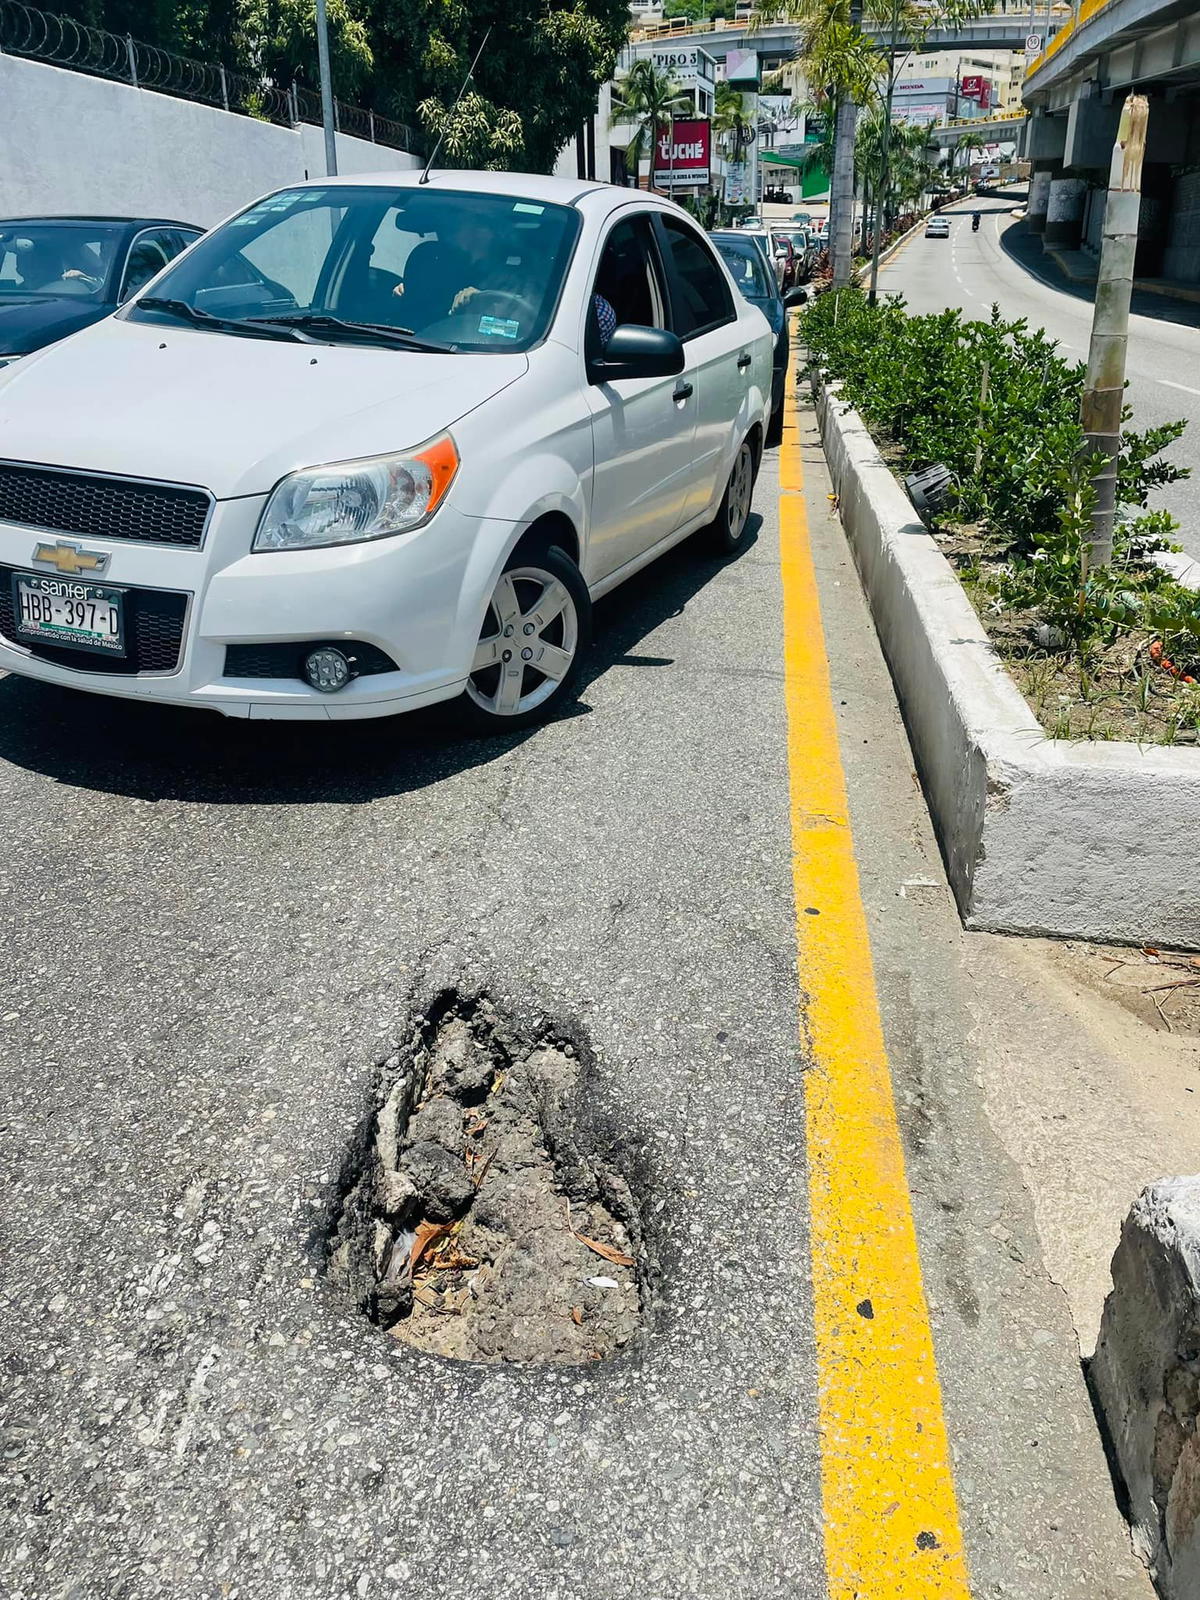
{"x":1003,"y":31}
{"x":1075,"y":91}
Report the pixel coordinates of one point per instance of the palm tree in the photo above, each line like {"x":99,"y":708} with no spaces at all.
{"x":842,"y":68}
{"x":968,"y":141}
{"x":650,"y":98}
{"x":848,"y":69}
{"x":730,"y":121}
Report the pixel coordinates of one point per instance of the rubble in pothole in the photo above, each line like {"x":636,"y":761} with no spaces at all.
{"x":475,"y":1226}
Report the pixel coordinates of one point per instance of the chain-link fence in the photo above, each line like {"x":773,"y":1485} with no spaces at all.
{"x":66,"y":43}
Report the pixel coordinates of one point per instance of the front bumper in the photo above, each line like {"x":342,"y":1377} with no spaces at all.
{"x":419,"y":597}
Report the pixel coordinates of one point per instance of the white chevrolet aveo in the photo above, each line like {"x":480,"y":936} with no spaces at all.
{"x":375,"y":443}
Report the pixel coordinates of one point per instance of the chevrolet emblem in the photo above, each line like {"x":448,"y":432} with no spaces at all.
{"x":70,"y":558}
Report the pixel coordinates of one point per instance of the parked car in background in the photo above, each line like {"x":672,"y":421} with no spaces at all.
{"x":778,"y":262}
{"x":784,"y":250}
{"x":806,"y":251}
{"x":757,"y":283}
{"x":376,"y":443}
{"x":937,"y":228}
{"x":59,"y":274}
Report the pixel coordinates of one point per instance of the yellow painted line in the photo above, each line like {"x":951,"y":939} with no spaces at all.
{"x":890,"y":1515}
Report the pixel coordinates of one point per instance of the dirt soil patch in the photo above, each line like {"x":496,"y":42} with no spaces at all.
{"x":474,"y":1223}
{"x":1160,"y":987}
{"x":1112,"y":692}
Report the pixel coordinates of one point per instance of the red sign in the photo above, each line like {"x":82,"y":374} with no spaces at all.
{"x":681,"y":153}
{"x":977,"y":87}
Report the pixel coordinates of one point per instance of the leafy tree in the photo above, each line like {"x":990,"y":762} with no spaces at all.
{"x":537,"y":81}
{"x":279,"y":39}
{"x":649,"y":97}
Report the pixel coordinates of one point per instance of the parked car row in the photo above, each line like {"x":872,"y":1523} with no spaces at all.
{"x":372,"y":444}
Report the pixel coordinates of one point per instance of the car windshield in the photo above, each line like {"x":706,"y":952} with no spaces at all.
{"x":747,"y":269}
{"x":457,"y":271}
{"x":56,"y":260}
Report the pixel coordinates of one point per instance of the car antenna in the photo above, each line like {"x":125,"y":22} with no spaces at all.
{"x":454,"y":107}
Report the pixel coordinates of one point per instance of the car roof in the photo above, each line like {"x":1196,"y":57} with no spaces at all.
{"x":125,"y":222}
{"x":522,"y":185}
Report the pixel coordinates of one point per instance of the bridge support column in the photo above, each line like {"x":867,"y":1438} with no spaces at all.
{"x":1064,"y":212}
{"x":1039,"y":197}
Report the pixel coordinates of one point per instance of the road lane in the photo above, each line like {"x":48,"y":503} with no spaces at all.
{"x":1002,"y":265}
{"x":211,"y":932}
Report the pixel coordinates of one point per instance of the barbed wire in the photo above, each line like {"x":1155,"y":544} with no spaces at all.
{"x":42,"y":36}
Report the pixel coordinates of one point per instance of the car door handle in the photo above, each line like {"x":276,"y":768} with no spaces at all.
{"x":682,"y":391}
{"x":744,"y":360}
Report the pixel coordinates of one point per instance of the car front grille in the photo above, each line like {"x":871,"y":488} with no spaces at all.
{"x":103,"y":508}
{"x":287,"y":660}
{"x":154,"y":621}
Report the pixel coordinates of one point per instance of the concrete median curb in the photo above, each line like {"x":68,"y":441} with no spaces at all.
{"x":1039,"y":835}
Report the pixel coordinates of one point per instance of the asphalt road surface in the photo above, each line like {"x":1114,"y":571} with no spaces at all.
{"x":212,"y":933}
{"x":1004,"y":265}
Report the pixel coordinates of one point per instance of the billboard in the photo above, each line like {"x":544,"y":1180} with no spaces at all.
{"x":681,"y":153}
{"x":741,"y":69}
{"x":737,"y":184}
{"x":687,"y":63}
{"x":975,"y":86}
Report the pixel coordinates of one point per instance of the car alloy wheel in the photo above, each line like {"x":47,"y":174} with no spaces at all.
{"x":728,"y":530}
{"x":530,"y":640}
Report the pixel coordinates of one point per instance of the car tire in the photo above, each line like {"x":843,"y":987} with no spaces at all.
{"x":726,"y":534}
{"x":542,"y":605}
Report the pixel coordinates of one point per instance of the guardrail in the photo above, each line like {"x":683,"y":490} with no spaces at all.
{"x":41,"y":36}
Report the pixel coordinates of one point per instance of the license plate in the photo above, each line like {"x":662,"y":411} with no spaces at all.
{"x":65,"y":612}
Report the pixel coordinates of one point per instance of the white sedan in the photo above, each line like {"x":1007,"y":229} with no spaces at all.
{"x":375,"y":443}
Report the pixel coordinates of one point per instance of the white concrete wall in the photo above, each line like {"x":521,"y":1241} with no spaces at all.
{"x":70,"y":143}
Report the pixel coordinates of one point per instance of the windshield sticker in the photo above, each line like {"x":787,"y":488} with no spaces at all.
{"x":534,"y":211}
{"x":500,"y":327}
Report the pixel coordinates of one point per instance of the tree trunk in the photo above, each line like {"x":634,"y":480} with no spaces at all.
{"x":841,"y":187}
{"x":841,"y":194}
{"x":1104,"y":387}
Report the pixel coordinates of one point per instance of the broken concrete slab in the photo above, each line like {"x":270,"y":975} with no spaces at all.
{"x":1145,"y":1376}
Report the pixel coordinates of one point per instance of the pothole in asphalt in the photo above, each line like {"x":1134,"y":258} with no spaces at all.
{"x":476,"y":1223}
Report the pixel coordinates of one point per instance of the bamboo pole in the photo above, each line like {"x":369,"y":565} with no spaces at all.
{"x":1104,"y":387}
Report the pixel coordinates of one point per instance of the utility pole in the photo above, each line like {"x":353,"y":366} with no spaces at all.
{"x":326,"y":91}
{"x":1104,"y":386}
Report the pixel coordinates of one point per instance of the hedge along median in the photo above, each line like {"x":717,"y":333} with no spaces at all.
{"x":1093,"y":838}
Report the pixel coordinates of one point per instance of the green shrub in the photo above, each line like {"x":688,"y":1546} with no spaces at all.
{"x":1014,"y":454}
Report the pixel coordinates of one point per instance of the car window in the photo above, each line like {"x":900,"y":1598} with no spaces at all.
{"x":628,"y":281}
{"x":148,"y":255}
{"x":471,"y":271}
{"x":56,"y":260}
{"x":746,"y":268}
{"x":700,"y":291}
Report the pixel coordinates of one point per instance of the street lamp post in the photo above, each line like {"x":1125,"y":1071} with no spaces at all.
{"x":326,"y":91}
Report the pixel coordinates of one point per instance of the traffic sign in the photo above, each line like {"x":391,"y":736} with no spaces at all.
{"x":1033,"y":45}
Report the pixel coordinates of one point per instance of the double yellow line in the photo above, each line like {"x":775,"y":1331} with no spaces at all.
{"x":890,"y":1514}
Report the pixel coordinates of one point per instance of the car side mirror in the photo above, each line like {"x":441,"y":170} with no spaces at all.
{"x":637,"y":352}
{"x":796,"y":297}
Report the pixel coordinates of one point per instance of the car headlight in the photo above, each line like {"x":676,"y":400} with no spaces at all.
{"x":357,"y":500}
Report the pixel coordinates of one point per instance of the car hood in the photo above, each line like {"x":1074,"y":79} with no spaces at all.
{"x":30,"y":324}
{"x":231,"y":414}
